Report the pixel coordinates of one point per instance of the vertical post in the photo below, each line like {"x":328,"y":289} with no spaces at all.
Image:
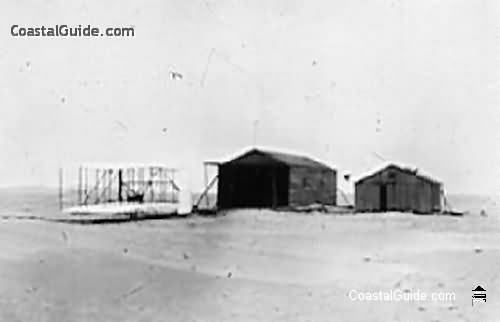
{"x":110,"y":184}
{"x":104,"y":185}
{"x":61,"y":189}
{"x":140,"y":179}
{"x":120,"y":184}
{"x":79,"y":186}
{"x":205,"y":170}
{"x":86,"y":187}
{"x":102,"y":196}
{"x":174,"y":191}
{"x":167,"y":184}
{"x":130,"y":180}
{"x":160,"y":184}
{"x":134,"y":179}
{"x":151,"y":183}
{"x":97,"y":180}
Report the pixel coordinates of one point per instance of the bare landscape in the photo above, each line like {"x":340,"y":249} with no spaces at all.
{"x":246,"y":265}
{"x":233,"y":161}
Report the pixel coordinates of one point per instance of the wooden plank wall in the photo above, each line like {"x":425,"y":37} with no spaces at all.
{"x":312,"y":185}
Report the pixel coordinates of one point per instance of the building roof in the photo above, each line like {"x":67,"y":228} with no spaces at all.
{"x":410,"y":169}
{"x":479,"y":289}
{"x":292,"y":160}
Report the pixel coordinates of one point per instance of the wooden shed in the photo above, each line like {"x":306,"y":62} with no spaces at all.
{"x":398,"y":188}
{"x":264,"y":179}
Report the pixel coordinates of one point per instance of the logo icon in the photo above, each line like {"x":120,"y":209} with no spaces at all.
{"x":478,"y":295}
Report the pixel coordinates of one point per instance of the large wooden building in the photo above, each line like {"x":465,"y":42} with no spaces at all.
{"x":398,"y":188}
{"x":264,"y":179}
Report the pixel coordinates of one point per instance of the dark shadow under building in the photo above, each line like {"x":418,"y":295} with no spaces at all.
{"x":398,"y":188}
{"x":265,"y":179}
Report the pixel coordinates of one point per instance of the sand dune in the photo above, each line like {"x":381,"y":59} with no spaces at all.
{"x":248,"y":266}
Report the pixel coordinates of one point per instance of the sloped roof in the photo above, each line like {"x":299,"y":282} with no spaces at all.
{"x":410,"y":169}
{"x":479,"y":289}
{"x":288,"y":159}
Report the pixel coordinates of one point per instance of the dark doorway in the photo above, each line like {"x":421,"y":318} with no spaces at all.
{"x":383,"y":197}
{"x":258,"y":192}
{"x":253,"y":186}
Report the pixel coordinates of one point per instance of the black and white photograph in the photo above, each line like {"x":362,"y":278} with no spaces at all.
{"x":237,"y":160}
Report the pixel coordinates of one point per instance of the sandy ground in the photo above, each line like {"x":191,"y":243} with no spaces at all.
{"x":249,"y":265}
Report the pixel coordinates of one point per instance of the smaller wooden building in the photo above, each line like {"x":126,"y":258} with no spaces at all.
{"x":398,"y":188}
{"x":263,"y":179}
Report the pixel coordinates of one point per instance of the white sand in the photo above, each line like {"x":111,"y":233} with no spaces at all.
{"x":282,"y":267}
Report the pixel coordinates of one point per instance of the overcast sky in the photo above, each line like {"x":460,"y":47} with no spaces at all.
{"x":414,"y":81}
